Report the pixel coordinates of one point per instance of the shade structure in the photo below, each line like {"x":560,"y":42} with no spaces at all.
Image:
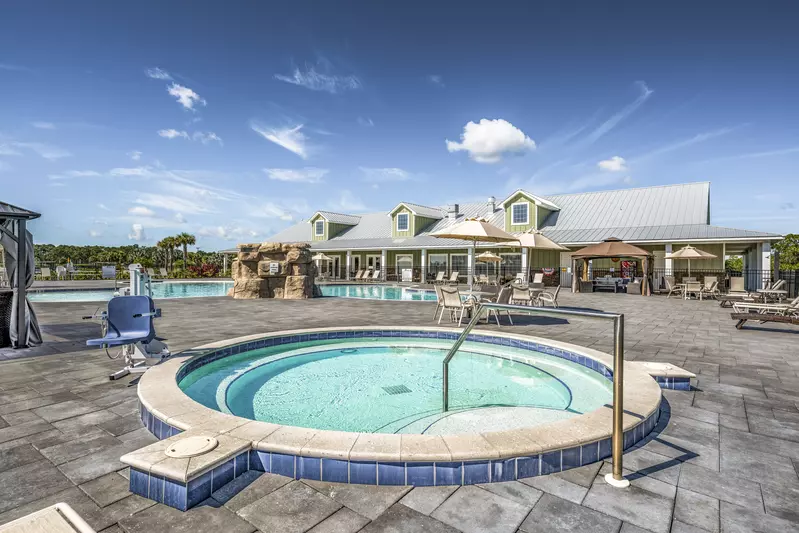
{"x":17,"y":243}
{"x":321,"y":257}
{"x":474,"y":230}
{"x":689,"y":253}
{"x":533,"y":238}
{"x":488,"y":257}
{"x":612,"y":247}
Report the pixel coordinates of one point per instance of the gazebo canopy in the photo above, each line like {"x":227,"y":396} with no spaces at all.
{"x":12,"y":211}
{"x":611,"y":247}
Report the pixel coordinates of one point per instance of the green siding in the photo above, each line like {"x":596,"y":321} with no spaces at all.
{"x":422,"y":223}
{"x":543,"y":213}
{"x":402,"y":234}
{"x":314,"y":236}
{"x":519,"y":198}
{"x":335,"y":229}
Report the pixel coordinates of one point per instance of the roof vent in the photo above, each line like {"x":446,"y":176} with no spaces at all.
{"x":452,"y":210}
{"x":492,"y":205}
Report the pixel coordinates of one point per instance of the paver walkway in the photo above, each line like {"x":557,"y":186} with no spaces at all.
{"x":724,"y":458}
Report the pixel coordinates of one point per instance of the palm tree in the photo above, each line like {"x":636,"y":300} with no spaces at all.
{"x":185,"y":239}
{"x":168,"y":244}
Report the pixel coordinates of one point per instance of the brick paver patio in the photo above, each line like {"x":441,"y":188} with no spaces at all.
{"x":723,"y":459}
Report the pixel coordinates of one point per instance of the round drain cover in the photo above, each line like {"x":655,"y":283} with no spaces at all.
{"x":191,"y":447}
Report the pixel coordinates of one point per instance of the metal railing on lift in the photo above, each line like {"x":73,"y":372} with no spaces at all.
{"x":615,"y":478}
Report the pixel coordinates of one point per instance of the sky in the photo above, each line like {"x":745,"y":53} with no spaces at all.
{"x":124,"y":122}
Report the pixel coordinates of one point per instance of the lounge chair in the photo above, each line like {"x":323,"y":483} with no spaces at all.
{"x":711,"y":287}
{"x":45,"y":273}
{"x":775,"y":292}
{"x":502,"y":298}
{"x":375,"y":276}
{"x":783,"y":319}
{"x":549,"y":297}
{"x":151,"y":273}
{"x":737,"y":285}
{"x":61,"y":272}
{"x":791,"y":308}
{"x":358,"y":275}
{"x":455,"y":305}
{"x":439,"y":277}
{"x":453,"y":278}
{"x":164,"y":273}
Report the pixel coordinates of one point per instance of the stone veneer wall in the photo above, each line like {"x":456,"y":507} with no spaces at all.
{"x":253,"y":276}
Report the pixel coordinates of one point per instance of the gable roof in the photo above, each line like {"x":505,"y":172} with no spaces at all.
{"x":540,"y":200}
{"x":338,"y":218}
{"x":420,"y":210}
{"x":12,"y":211}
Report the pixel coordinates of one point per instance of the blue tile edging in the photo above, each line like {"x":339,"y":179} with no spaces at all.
{"x":183,"y":496}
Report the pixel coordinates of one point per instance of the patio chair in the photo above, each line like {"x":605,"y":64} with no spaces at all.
{"x":45,"y":273}
{"x":711,"y":287}
{"x":693,"y":287}
{"x":521,"y":295}
{"x":439,"y":301}
{"x":455,"y":305}
{"x":520,"y":278}
{"x":453,"y":278}
{"x":670,"y":286}
{"x":375,"y":276}
{"x":482,"y":279}
{"x":737,"y":284}
{"x":407,"y":275}
{"x":549,"y":297}
{"x":538,"y":277}
{"x":164,"y":273}
{"x":688,"y":279}
{"x":61,"y":272}
{"x":503,"y":297}
{"x":358,"y":275}
{"x":151,"y":273}
{"x":439,"y":277}
{"x":492,"y":280}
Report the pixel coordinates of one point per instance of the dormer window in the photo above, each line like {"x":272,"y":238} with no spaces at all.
{"x":520,"y":214}
{"x":403,"y":224}
{"x":319,"y":228}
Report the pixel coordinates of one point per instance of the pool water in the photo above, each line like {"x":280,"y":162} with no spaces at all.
{"x":160,"y":290}
{"x":378,"y":292}
{"x":381,"y":386}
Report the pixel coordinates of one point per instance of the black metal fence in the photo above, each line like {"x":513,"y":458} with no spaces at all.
{"x":502,"y":274}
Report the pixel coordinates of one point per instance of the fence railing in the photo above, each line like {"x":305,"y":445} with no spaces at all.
{"x":551,"y":275}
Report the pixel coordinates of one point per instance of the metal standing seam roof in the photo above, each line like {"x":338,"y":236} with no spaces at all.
{"x":12,"y":211}
{"x":662,"y":213}
{"x":423,"y":210}
{"x":340,"y":218}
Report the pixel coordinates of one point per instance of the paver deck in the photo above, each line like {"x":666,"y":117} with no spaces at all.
{"x":724,"y":457}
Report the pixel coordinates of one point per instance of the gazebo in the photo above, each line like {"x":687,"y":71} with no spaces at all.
{"x":610,"y":248}
{"x":21,"y":327}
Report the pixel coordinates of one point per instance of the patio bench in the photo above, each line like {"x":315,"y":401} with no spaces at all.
{"x":606,"y":284}
{"x":762,"y":318}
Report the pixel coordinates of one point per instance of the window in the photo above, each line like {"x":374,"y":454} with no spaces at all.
{"x":402,"y":222}
{"x":459,"y":263}
{"x":511,"y":264}
{"x":520,"y":214}
{"x":319,"y":228}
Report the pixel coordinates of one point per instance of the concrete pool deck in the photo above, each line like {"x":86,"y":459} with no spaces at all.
{"x":724,"y":456}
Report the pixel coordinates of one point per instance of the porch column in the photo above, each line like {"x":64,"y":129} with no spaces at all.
{"x":765,"y":263}
{"x":524,"y":263}
{"x":668,"y":263}
{"x":383,"y":263}
{"x":470,"y":266}
{"x":424,"y":265}
{"x":349,"y":264}
{"x":224,"y":264}
{"x":22,"y":267}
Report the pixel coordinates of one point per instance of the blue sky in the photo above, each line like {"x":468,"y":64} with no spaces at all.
{"x":125,"y":122}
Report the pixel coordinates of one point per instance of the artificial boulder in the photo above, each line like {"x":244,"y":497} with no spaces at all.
{"x":273,"y":270}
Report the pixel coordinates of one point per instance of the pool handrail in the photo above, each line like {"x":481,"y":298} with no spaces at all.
{"x":615,"y":479}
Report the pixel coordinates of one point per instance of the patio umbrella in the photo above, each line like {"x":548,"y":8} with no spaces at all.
{"x":689,"y":252}
{"x":533,"y":238}
{"x":488,"y":257}
{"x":474,"y":230}
{"x":321,"y":257}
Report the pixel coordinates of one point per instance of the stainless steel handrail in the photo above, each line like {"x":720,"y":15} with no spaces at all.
{"x":617,"y":439}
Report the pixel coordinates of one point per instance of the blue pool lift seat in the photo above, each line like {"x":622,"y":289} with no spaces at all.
{"x":129,"y":325}
{"x":129,"y":320}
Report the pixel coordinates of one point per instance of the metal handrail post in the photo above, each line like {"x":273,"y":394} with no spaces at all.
{"x":615,"y":478}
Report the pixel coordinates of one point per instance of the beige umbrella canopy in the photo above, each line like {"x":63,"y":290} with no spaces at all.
{"x":321,"y":257}
{"x":488,"y":257}
{"x":689,"y":252}
{"x":535,"y":239}
{"x":474,"y":230}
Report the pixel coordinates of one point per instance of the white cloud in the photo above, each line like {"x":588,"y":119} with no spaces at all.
{"x":95,"y":233}
{"x":366,"y":121}
{"x":436,"y":79}
{"x":134,"y":155}
{"x":272,"y":210}
{"x":298,"y":175}
{"x":179,"y":218}
{"x":186,"y":97}
{"x":383,"y":175}
{"x":227,"y":233}
{"x":614,"y":164}
{"x":157,"y":74}
{"x":135,"y":171}
{"x":141,"y":211}
{"x":15,"y":68}
{"x":103,"y":207}
{"x":75,"y":174}
{"x":43,"y":125}
{"x":612,"y":122}
{"x":46,"y":151}
{"x":317,"y":81}
{"x":489,"y":140}
{"x":173,"y":134}
{"x":6,"y":149}
{"x":292,"y":139}
{"x":348,"y":202}
{"x":699,"y":138}
{"x":174,"y":203}
{"x":137,"y":233}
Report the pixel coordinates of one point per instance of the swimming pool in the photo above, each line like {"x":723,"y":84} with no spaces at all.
{"x":166,"y":289}
{"x":378,"y":292}
{"x":393,"y":385}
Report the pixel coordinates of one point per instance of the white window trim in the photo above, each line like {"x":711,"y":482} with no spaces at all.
{"x":402,"y":256}
{"x":527,"y":212}
{"x":466,"y":263}
{"x":431,"y":256}
{"x":408,"y":217}
{"x":379,"y":258}
{"x":316,"y":228}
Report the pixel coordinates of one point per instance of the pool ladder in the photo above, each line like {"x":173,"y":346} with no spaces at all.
{"x":615,"y":479}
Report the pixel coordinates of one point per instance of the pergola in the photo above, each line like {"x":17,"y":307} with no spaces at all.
{"x":610,"y":248}
{"x":18,"y":246}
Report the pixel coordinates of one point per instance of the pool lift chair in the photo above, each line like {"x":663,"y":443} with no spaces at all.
{"x":128,"y":325}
